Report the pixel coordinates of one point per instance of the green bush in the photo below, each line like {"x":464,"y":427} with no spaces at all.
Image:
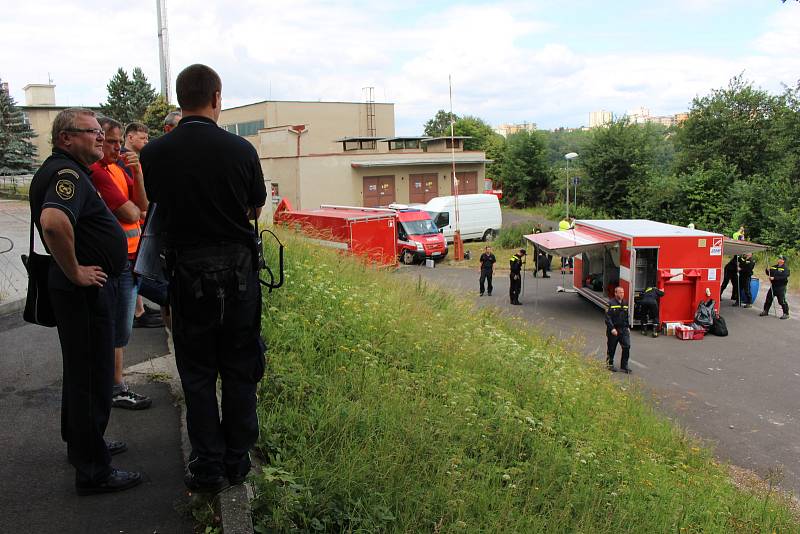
{"x":389,"y":406}
{"x":557,"y":212}
{"x":512,"y":236}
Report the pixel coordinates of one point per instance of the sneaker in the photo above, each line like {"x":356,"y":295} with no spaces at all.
{"x":785,"y":316}
{"x":116,"y":447}
{"x":148,"y":320}
{"x":116,"y":481}
{"x":205,"y":483}
{"x":130,"y":401}
{"x":480,"y":295}
{"x":490,"y":293}
{"x":763,"y":314}
{"x":747,"y":306}
{"x":611,"y":368}
{"x":655,"y":333}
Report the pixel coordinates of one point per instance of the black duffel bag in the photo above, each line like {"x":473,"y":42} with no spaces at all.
{"x":718,"y":327}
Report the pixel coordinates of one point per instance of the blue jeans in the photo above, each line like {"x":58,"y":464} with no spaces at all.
{"x":127,"y":289}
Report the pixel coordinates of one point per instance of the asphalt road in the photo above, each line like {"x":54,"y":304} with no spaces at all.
{"x":738,"y":393}
{"x":37,"y":483}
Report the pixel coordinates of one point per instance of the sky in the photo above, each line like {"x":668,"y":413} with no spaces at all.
{"x":510,"y":61}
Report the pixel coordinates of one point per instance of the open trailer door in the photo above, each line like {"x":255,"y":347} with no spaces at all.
{"x":595,"y":248}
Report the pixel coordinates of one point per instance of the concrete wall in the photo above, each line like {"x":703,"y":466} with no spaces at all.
{"x":41,"y":120}
{"x":309,"y":181}
{"x":325,"y":122}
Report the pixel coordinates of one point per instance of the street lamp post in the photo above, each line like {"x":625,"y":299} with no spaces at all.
{"x":569,"y":157}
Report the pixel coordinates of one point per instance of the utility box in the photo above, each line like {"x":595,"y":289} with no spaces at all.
{"x":637,"y":253}
{"x":367,"y":232}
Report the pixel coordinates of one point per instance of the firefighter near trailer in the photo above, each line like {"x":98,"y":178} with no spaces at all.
{"x":779,"y":278}
{"x":516,"y":263}
{"x":618,"y":331}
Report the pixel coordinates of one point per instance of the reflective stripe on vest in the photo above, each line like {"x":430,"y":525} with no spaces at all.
{"x":132,"y":230}
{"x":618,"y":306}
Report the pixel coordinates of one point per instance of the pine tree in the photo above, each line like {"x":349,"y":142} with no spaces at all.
{"x":17,"y":152}
{"x":142,"y":94}
{"x":128,"y":97}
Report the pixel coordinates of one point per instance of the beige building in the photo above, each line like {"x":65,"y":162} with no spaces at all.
{"x":509,"y":129}
{"x":346,"y":153}
{"x":40,"y":111}
{"x":600,"y":118}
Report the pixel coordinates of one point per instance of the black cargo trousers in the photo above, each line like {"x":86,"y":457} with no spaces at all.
{"x":216,"y":307}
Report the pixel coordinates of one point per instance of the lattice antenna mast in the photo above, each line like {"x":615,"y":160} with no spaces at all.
{"x":163,"y":48}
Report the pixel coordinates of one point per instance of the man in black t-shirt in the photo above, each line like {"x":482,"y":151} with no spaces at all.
{"x":487,"y":262}
{"x":209,"y":185}
{"x":89,"y":251}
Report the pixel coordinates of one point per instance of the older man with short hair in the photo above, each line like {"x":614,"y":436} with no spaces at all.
{"x":88,"y":249}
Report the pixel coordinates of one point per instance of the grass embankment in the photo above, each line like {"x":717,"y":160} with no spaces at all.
{"x":389,"y":406}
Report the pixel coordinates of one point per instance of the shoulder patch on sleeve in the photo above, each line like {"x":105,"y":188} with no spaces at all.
{"x":65,"y":189}
{"x":70,"y":172}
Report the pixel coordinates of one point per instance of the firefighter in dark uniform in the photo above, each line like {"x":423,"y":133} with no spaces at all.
{"x":208,"y":184}
{"x":89,"y":251}
{"x":649,"y":301}
{"x":618,"y":331}
{"x":515,"y":264}
{"x":746,"y":266}
{"x":779,"y":277}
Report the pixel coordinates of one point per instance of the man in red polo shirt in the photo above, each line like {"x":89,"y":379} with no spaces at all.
{"x":126,"y":199}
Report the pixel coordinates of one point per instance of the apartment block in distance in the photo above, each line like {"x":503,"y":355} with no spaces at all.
{"x":347,"y":153}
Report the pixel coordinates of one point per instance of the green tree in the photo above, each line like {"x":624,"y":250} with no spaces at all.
{"x":525,"y":170}
{"x":128,"y":97}
{"x":617,"y":158}
{"x":734,"y":123}
{"x":439,"y":125}
{"x":154,"y":116}
{"x":482,"y":137}
{"x":17,"y":152}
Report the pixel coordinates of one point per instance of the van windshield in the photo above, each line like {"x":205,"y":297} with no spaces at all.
{"x":423,"y":227}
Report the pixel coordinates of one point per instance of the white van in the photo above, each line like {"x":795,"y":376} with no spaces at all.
{"x":479,"y":216}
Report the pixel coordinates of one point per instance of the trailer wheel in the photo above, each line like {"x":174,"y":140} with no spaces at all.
{"x":407,"y":257}
{"x":489,"y":235}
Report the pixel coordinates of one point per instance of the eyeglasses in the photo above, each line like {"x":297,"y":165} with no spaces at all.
{"x":95,"y":131}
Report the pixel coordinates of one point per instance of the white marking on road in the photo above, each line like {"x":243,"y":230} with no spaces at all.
{"x":637,"y":364}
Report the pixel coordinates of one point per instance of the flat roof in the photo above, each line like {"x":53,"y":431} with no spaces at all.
{"x":308,"y":102}
{"x":643,"y":228}
{"x":419,"y":161}
{"x":360,"y":138}
{"x":430,"y":139}
{"x":404,"y":138}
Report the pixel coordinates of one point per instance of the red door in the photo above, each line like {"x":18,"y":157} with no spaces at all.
{"x":378,"y":191}
{"x":467,"y":183}
{"x":422,"y":188}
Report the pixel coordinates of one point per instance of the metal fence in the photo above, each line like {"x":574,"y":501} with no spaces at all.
{"x":13,"y":278}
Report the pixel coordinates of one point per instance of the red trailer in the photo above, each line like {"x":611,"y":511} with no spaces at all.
{"x":636,"y":254}
{"x":369,"y":232}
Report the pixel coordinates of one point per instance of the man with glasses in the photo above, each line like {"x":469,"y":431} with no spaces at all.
{"x":88,"y":248}
{"x":126,"y":199}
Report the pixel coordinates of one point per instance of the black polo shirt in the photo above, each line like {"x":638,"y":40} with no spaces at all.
{"x":64,"y":184}
{"x":205,"y":179}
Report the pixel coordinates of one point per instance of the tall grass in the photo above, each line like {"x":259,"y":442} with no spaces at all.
{"x":389,"y":406}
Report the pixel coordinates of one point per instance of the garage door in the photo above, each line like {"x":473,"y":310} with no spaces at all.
{"x":378,"y":191}
{"x":467,"y":183}
{"x":422,"y":187}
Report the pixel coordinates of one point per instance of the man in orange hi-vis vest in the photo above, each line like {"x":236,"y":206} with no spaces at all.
{"x":126,"y":199}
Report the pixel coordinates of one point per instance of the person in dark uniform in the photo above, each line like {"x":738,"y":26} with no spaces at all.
{"x":779,"y":278}
{"x":618,"y":331}
{"x":729,"y":277}
{"x":487,"y":261}
{"x":209,"y":185}
{"x":89,"y":252}
{"x":649,"y":301}
{"x":515,"y":263}
{"x":746,"y":266}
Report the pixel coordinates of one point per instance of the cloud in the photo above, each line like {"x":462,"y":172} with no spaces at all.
{"x":507,"y":59}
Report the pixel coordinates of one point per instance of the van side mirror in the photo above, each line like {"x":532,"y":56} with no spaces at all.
{"x":441,"y":230}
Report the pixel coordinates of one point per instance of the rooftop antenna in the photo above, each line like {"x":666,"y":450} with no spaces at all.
{"x":49,"y":79}
{"x":163,"y":47}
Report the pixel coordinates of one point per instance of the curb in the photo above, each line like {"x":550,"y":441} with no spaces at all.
{"x":7,"y":308}
{"x":231,"y":505}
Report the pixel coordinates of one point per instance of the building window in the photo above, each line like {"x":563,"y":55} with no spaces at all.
{"x":359,"y":144}
{"x":249,"y":128}
{"x":453,"y":143}
{"x":400,"y":144}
